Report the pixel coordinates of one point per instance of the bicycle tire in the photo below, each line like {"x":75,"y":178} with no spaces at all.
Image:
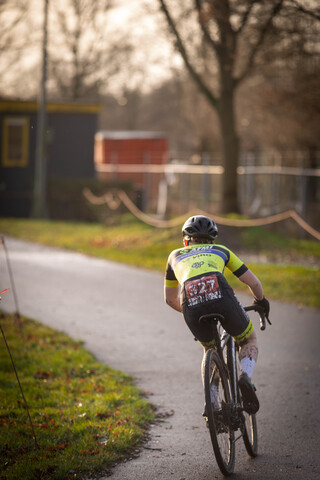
{"x":221,"y":433}
{"x":250,"y":434}
{"x":249,"y":427}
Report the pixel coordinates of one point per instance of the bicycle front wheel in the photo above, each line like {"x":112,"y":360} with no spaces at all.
{"x":250,"y":434}
{"x":249,"y":427}
{"x":218,"y":405}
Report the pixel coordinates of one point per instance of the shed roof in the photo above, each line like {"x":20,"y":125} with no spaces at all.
{"x":32,"y":106}
{"x":128,"y":135}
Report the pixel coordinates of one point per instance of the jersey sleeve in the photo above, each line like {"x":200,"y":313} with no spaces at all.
{"x":235,"y":265}
{"x":170,"y":279}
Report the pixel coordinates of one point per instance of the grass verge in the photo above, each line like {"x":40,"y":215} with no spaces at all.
{"x":132,"y":242}
{"x":286,"y":283}
{"x":86,"y":415}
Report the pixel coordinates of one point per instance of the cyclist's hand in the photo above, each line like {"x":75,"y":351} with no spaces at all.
{"x":265,"y":305}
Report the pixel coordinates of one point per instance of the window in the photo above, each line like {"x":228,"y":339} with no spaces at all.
{"x":15,"y":145}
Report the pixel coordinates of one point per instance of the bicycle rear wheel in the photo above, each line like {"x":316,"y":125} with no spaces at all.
{"x":218,"y":401}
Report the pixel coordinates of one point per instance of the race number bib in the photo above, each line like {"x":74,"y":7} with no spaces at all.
{"x":202,"y":290}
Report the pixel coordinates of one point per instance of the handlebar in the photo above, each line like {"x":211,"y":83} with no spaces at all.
{"x":257,"y":308}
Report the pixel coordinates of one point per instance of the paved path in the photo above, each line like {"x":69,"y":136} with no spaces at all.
{"x":120,"y":314}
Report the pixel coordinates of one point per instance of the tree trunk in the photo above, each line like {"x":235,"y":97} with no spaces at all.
{"x":230,"y":150}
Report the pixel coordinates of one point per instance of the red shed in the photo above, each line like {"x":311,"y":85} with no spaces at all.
{"x":130,"y":155}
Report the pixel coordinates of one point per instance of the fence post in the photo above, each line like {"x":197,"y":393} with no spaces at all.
{"x":274,"y":190}
{"x":114,"y":162}
{"x":251,"y":182}
{"x":205,"y":182}
{"x":303,"y":200}
{"x":184,"y":192}
{"x":146,"y":183}
{"x":162,"y":198}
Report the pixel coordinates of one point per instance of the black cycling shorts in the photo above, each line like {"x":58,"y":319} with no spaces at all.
{"x":211,"y":293}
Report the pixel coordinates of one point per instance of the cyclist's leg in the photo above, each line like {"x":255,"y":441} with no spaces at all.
{"x":238,"y":324}
{"x":248,"y":354}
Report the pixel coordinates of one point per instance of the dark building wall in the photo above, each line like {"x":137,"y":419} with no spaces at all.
{"x":70,"y":150}
{"x":16,"y":183}
{"x":71,"y":145}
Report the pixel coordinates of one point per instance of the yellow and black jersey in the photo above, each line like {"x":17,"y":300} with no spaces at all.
{"x":201,"y":259}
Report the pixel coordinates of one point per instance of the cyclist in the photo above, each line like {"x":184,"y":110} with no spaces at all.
{"x":198,"y":268}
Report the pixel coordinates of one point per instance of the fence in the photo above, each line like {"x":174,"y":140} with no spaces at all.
{"x":175,"y":188}
{"x":270,"y":190}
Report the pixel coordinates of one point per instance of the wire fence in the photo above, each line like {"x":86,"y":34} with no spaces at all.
{"x":114,"y":200}
{"x":175,"y":188}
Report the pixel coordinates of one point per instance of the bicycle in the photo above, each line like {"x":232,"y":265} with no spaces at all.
{"x":225,"y":414}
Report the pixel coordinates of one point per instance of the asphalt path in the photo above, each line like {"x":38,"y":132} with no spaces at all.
{"x":119,"y":313}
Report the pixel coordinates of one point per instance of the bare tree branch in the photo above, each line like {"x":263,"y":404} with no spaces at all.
{"x":204,"y":28}
{"x":12,"y":44}
{"x":246,"y":16}
{"x":255,"y":49}
{"x":314,"y":14}
{"x":236,"y":31}
{"x":8,"y":36}
{"x":90,"y":58}
{"x":180,"y":46}
{"x":226,"y":51}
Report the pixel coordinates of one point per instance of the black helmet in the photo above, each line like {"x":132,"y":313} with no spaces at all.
{"x":200,"y":226}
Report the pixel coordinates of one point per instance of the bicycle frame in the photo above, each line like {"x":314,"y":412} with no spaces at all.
{"x":226,"y":341}
{"x":232,"y":370}
{"x":222,"y":342}
{"x":225,"y":414}
{"x":228,"y":356}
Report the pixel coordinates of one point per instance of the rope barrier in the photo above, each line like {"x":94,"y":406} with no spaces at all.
{"x":303,"y":224}
{"x":112,"y":200}
{"x":155,"y":222}
{"x":108,"y":198}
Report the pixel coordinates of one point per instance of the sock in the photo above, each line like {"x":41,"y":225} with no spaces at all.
{"x":247,"y":366}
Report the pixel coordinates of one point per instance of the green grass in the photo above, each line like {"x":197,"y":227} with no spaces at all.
{"x":86,"y":416}
{"x":286,"y":283}
{"x":129,"y":241}
{"x":275,"y":245}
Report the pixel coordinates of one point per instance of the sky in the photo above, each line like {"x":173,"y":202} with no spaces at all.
{"x":155,"y":48}
{"x":154,"y":52}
